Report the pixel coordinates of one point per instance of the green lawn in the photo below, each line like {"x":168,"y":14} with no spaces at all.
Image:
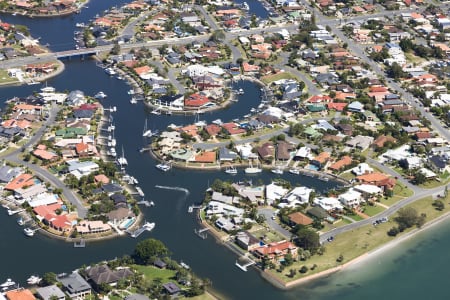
{"x":5,"y":79}
{"x":400,"y":192}
{"x":270,"y":236}
{"x":151,"y":273}
{"x":347,"y":176}
{"x":373,"y":210}
{"x":271,"y":78}
{"x":432,"y":183}
{"x":355,"y":217}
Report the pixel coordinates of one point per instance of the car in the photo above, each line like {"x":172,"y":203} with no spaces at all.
{"x":273,"y":217}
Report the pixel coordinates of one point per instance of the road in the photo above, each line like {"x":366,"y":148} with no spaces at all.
{"x":43,"y":173}
{"x":268,"y":213}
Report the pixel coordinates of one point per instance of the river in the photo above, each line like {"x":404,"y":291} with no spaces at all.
{"x":405,"y":273}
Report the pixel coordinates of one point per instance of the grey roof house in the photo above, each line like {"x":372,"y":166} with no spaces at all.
{"x":75,"y":286}
{"x":50,"y":292}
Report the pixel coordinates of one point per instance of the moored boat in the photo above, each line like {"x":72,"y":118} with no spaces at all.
{"x":163,"y":167}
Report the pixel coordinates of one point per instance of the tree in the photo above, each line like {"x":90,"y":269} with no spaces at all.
{"x":48,"y":278}
{"x":307,"y":239}
{"x":438,"y":204}
{"x":217,"y":36}
{"x":292,"y":273}
{"x":148,"y":249}
{"x":419,"y":178}
{"x":408,"y":217}
{"x":115,"y":49}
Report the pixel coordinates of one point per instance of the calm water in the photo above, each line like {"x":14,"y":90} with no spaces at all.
{"x":406,"y":272}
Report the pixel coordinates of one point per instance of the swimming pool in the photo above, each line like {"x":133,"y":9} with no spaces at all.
{"x":127,"y":223}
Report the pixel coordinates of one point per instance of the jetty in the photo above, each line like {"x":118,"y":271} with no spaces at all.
{"x":140,"y":192}
{"x":192,"y":207}
{"x":244,"y":262}
{"x":146,"y":227}
{"x":201,"y":233}
{"x":146,"y":203}
{"x":80,"y":244}
{"x":13,"y":212}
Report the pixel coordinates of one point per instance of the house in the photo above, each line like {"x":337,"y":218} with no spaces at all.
{"x":171,"y":288}
{"x":274,"y":192}
{"x":20,"y":294}
{"x":321,"y":160}
{"x":297,"y":218}
{"x":378,"y":179}
{"x":75,"y":286}
{"x":341,"y":164}
{"x":218,"y":208}
{"x":437,"y":163}
{"x":276,"y":251}
{"x":159,"y":264}
{"x":226,"y":154}
{"x":266,"y":151}
{"x":7,"y":173}
{"x":381,"y":140}
{"x":360,"y":142}
{"x":351,"y":198}
{"x":283,"y":150}
{"x":297,"y":196}
{"x":328,"y":203}
{"x":317,"y":212}
{"x":355,"y":106}
{"x":368,"y":190}
{"x":102,"y":274}
{"x":21,"y":181}
{"x":51,"y":292}
{"x":247,"y":241}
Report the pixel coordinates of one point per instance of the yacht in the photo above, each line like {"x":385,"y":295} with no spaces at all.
{"x":7,"y":283}
{"x":80,"y":25}
{"x":133,"y":100}
{"x":122,"y":161}
{"x":112,"y":152}
{"x":131,"y":92}
{"x":163,"y":167}
{"x":110,"y":71}
{"x":294,"y":171}
{"x":245,"y":6}
{"x":277,"y":170}
{"x":28,"y":231}
{"x":33,"y":280}
{"x":48,"y":89}
{"x":100,"y":95}
{"x":231,"y":170}
{"x":252,"y":170}
{"x":147,"y":132}
{"x":20,"y":221}
{"x":217,"y":122}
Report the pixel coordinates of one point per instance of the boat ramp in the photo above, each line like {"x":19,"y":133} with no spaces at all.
{"x":201,"y":233}
{"x":80,"y":244}
{"x":244,"y":262}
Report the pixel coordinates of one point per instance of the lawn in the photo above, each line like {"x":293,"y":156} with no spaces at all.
{"x":270,"y":236}
{"x":400,"y":192}
{"x":271,"y":78}
{"x":355,"y":217}
{"x":347,"y":175}
{"x":151,"y":273}
{"x":432,"y":183}
{"x":5,"y":78}
{"x":373,"y":210}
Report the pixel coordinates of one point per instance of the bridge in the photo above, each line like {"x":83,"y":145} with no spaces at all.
{"x":76,"y":52}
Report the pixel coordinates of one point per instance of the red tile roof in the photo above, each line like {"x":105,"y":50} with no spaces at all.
{"x":196,"y":100}
{"x":206,"y":157}
{"x":343,"y":162}
{"x":20,"y":181}
{"x":24,"y":294}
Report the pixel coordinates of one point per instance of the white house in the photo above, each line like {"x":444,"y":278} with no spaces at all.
{"x":274,"y":192}
{"x":80,"y":169}
{"x":351,"y":198}
{"x":298,"y":196}
{"x":362,"y":169}
{"x":219,"y":208}
{"x":368,"y":190}
{"x":328,"y":203}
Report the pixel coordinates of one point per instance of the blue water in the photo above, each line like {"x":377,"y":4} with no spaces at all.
{"x":255,"y":8}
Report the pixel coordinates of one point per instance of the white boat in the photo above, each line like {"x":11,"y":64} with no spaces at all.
{"x":113,"y":142}
{"x":80,"y":25}
{"x":252,"y":170}
{"x":100,"y":95}
{"x":20,"y":221}
{"x":33,"y":280}
{"x":7,"y":283}
{"x":217,"y":122}
{"x":110,"y":71}
{"x":294,"y":171}
{"x":130,"y":92}
{"x":152,"y":203}
{"x":277,"y":170}
{"x":184,"y":265}
{"x":28,"y":231}
{"x":133,"y":100}
{"x":48,"y":89}
{"x":163,"y":167}
{"x":156,"y":112}
{"x":245,"y":6}
{"x":122,"y":161}
{"x":231,"y":170}
{"x":147,"y":132}
{"x":112,"y":152}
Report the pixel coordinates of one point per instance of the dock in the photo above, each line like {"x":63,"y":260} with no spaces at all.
{"x":142,"y":150}
{"x":245,"y":263}
{"x":13,"y":212}
{"x":201,"y":233}
{"x":140,"y":192}
{"x":146,"y":203}
{"x":80,"y":244}
{"x":192,"y":207}
{"x":146,"y":227}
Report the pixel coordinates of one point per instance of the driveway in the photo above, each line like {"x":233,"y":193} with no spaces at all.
{"x":268,"y":213}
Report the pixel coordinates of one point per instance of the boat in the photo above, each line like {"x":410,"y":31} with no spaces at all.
{"x":112,"y":152}
{"x":80,"y":25}
{"x":252,"y":170}
{"x":122,"y":161}
{"x":130,"y":92}
{"x":110,"y":71}
{"x":277,"y":170}
{"x":147,"y":132}
{"x":184,"y":265}
{"x":217,"y":122}
{"x":7,"y":283}
{"x":163,"y":167}
{"x":294,"y":171}
{"x":119,"y":77}
{"x":48,"y":89}
{"x":245,"y":6}
{"x":156,"y":112}
{"x":20,"y":221}
{"x":100,"y":95}
{"x":231,"y":170}
{"x":28,"y":231}
{"x":33,"y":280}
{"x":133,"y":100}
{"x":152,"y":203}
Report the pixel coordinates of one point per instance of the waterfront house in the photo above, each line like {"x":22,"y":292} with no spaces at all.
{"x":378,"y":179}
{"x":112,"y":188}
{"x":23,"y":180}
{"x":303,"y":153}
{"x":247,"y":241}
{"x":329,"y":204}
{"x":218,"y":208}
{"x":368,"y":190}
{"x":276,"y":251}
{"x":283,"y":150}
{"x":297,"y":218}
{"x":341,"y":164}
{"x":80,"y":169}
{"x":86,"y":227}
{"x":20,"y":294}
{"x":51,"y":292}
{"x":321,"y":160}
{"x":119,"y":215}
{"x":297,"y":196}
{"x":226,"y":155}
{"x":226,"y":224}
{"x":254,"y":194}
{"x":102,"y":274}
{"x":75,"y":286}
{"x":119,"y":199}
{"x":266,"y":151}
{"x":274,"y":192}
{"x":171,"y":289}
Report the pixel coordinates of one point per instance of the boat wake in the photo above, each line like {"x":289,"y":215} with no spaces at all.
{"x":174,"y":188}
